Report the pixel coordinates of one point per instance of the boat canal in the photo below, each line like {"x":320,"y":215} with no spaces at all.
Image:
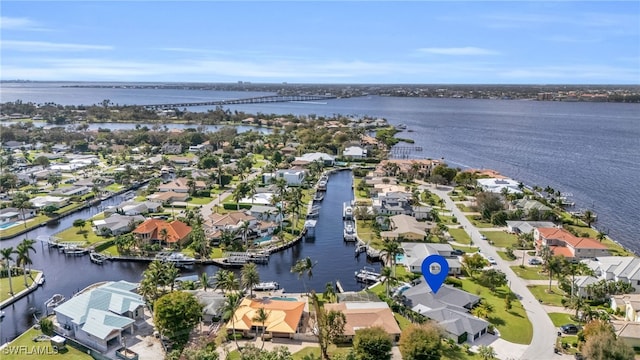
{"x":67,"y":275}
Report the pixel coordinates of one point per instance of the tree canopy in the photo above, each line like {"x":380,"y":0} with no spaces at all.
{"x":421,"y":342}
{"x":176,"y":314}
{"x":372,"y":344}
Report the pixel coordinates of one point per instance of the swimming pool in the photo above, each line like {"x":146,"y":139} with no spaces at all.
{"x":7,"y":225}
{"x":399,"y":258}
{"x":263,"y":239}
{"x":284,"y":298}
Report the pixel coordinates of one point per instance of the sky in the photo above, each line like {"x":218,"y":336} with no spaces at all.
{"x":452,"y":42}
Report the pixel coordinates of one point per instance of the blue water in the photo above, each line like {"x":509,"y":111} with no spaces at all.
{"x":263,"y":239}
{"x":284,"y":299}
{"x":399,"y":257}
{"x":6,"y":225}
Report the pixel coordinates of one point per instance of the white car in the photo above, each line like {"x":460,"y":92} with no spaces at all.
{"x":491,"y":260}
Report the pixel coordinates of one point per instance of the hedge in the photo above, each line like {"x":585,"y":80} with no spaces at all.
{"x":234,"y":206}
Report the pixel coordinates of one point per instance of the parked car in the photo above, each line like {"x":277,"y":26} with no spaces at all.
{"x":569,"y":329}
{"x":483,"y":237}
{"x":491,"y":260}
{"x":535,"y":261}
{"x":457,"y":252}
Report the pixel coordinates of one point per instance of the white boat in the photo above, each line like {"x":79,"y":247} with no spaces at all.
{"x":401,"y":126}
{"x":97,"y":258}
{"x":367,"y":275}
{"x":179,"y":259}
{"x":322,"y":185}
{"x":319,"y":196}
{"x":266,"y":286}
{"x":54,"y":301}
{"x":349,"y":231}
{"x":1,"y":314}
{"x":74,"y":251}
{"x":41,"y":280}
{"x":348,"y":212}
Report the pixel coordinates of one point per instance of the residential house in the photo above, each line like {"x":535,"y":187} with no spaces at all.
{"x":10,"y":215}
{"x":326,"y":159}
{"x":495,"y":185}
{"x":419,"y":167}
{"x":134,"y":208}
{"x":266,"y":213}
{"x":362,"y":315}
{"x":450,"y":308}
{"x":40,"y":202}
{"x":529,"y":204}
{"x":611,"y":268}
{"x":259,"y":198}
{"x":181,"y":185}
{"x":156,"y":230}
{"x":212,"y":304}
{"x":60,"y":148}
{"x":562,"y":242}
{"x":415,"y":253}
{"x":116,"y":224}
{"x":72,"y":191}
{"x":527,"y":227}
{"x":99,"y":317}
{"x":629,"y":304}
{"x":205,"y":146}
{"x":293,"y":177}
{"x":168,"y":197}
{"x":171,"y":149}
{"x":284,"y":317}
{"x":407,"y":227}
{"x":16,"y":145}
{"x":393,"y":203}
{"x":354,"y":152}
{"x":629,"y":332}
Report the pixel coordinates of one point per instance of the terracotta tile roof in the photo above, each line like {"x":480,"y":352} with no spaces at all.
{"x":176,"y":230}
{"x":570,"y":239}
{"x":232,"y":218}
{"x":363,"y":317}
{"x":284,"y":316}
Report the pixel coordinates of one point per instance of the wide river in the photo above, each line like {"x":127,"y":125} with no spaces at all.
{"x":590,"y":151}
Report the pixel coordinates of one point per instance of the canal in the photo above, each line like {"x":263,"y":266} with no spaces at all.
{"x":66,"y":274}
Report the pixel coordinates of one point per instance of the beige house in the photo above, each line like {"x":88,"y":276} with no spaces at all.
{"x":362,"y":315}
{"x":407,"y":227}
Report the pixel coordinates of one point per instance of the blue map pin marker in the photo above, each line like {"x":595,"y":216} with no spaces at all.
{"x":435,"y":270}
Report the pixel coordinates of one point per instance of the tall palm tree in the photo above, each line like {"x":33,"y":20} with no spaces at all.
{"x":554,"y":267}
{"x":589,"y":217}
{"x":226,"y":281}
{"x":7,"y":257}
{"x":164,"y":235}
{"x":387,"y":278}
{"x":204,"y":281}
{"x":261,"y":316}
{"x":302,"y":267}
{"x":329,"y":292}
{"x":295,"y":203}
{"x":244,"y":230}
{"x":250,"y":276}
{"x":231,"y":304}
{"x":21,"y":202}
{"x":23,"y":258}
{"x":390,"y":250}
{"x":171,"y":274}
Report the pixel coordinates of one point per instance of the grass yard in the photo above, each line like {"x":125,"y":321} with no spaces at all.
{"x":560,"y":319}
{"x":74,"y":234}
{"x":514,"y":326}
{"x":460,"y":236}
{"x":540,"y":292}
{"x":40,"y":350}
{"x":114,"y":187}
{"x":17,"y":282}
{"x":31,"y":223}
{"x":478,"y":223}
{"x":367,"y":234}
{"x":447,"y":220}
{"x":501,"y":239}
{"x":312,"y":350}
{"x":530,"y":272}
{"x":466,"y":249}
{"x":200,"y":200}
{"x":570,"y":340}
{"x":503,"y":255}
{"x":402,"y":321}
{"x":464,"y":208}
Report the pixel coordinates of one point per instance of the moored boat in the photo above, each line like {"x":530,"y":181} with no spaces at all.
{"x":266,"y":286}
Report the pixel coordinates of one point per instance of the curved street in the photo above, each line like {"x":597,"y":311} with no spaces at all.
{"x":544,"y":332}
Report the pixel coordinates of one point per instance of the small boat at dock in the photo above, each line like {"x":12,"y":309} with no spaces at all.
{"x":266,"y":286}
{"x":179,"y":259}
{"x":74,"y":251}
{"x":349,"y":231}
{"x":319,"y":196}
{"x":367,"y":275}
{"x":97,"y":258}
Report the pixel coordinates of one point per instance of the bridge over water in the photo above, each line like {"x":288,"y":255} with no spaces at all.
{"x":251,"y":100}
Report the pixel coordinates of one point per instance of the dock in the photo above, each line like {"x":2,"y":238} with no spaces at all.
{"x":367,"y":275}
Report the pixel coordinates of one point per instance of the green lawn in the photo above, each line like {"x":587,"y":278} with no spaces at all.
{"x":17,"y":282}
{"x":466,"y":249}
{"x":200,"y":200}
{"x":560,"y":319}
{"x":40,"y":350}
{"x":367,"y":234}
{"x":479,"y":224}
{"x":501,"y":239}
{"x":530,"y":272}
{"x":464,"y":208}
{"x":31,"y":223}
{"x":114,"y":187}
{"x":459,"y":235}
{"x":73,"y":234}
{"x":447,"y":220}
{"x":402,"y":321}
{"x":503,"y":255}
{"x":316,"y":351}
{"x":570,"y":340}
{"x":514,"y":325}
{"x":553,"y":298}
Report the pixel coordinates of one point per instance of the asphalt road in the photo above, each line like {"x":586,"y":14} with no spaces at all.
{"x":544,"y":332}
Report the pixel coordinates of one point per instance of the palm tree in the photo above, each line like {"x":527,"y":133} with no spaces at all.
{"x":231,"y":304}
{"x":589,"y":217}
{"x":554,"y":267}
{"x":171,"y":274}
{"x":486,"y":352}
{"x":250,"y":277}
{"x":21,"y":202}
{"x":244,"y":230}
{"x":302,"y":267}
{"x":390,"y":250}
{"x":329,"y":292}
{"x":601,"y":236}
{"x":164,"y":235}
{"x":387,"y":278}
{"x":204,"y":280}
{"x":7,"y":258}
{"x":226,"y":281}
{"x":295,"y":203}
{"x":261,"y":316}
{"x":23,"y":256}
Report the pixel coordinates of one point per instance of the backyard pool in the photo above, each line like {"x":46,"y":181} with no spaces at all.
{"x":284,"y":298}
{"x":263,"y":239}
{"x":7,"y":225}
{"x":399,"y":258}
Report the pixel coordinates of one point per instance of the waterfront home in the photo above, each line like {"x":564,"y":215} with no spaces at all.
{"x":496,"y":185}
{"x":266,"y":213}
{"x":171,"y":148}
{"x":181,"y":185}
{"x":259,"y":198}
{"x":406,"y":227}
{"x":354,"y":152}
{"x":99,"y":317}
{"x":16,"y":145}
{"x":116,"y":224}
{"x":230,"y":221}
{"x":415,"y":253}
{"x":562,"y":242}
{"x":326,"y":159}
{"x":293,"y":177}
{"x":365,"y":314}
{"x":10,"y":214}
{"x":612,"y":268}
{"x":168,"y":197}
{"x":284,"y":317}
{"x":212,"y":304}
{"x":60,"y":148}
{"x":528,"y":204}
{"x":421,"y":167}
{"x":527,"y":227}
{"x":449,"y":307}
{"x":393,"y":203}
{"x":40,"y":202}
{"x":134,"y":208}
{"x":156,"y":230}
{"x":72,"y":191}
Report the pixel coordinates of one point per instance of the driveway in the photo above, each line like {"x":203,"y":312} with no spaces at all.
{"x":544,"y":333}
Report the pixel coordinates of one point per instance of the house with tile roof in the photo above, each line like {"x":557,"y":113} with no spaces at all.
{"x":362,"y":315}
{"x":284,"y":317}
{"x":407,"y":227}
{"x":98,"y":317}
{"x":168,"y":197}
{"x":562,"y":242}
{"x":181,"y":185}
{"x":157,"y":230}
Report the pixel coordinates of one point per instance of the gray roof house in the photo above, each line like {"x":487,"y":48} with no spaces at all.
{"x":415,"y":253}
{"x":613,"y":268}
{"x":98,"y":317}
{"x":117,"y":224}
{"x":450,"y":308}
{"x":134,"y":208}
{"x":527,"y":227}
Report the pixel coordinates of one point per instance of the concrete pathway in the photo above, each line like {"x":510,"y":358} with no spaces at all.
{"x":544,"y":332}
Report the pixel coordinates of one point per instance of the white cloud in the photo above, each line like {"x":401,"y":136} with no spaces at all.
{"x":15,"y":23}
{"x":458,"y":51}
{"x":43,"y":46}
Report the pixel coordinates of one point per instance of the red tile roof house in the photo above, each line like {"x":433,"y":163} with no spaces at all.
{"x":568,"y":245}
{"x":151,"y":230}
